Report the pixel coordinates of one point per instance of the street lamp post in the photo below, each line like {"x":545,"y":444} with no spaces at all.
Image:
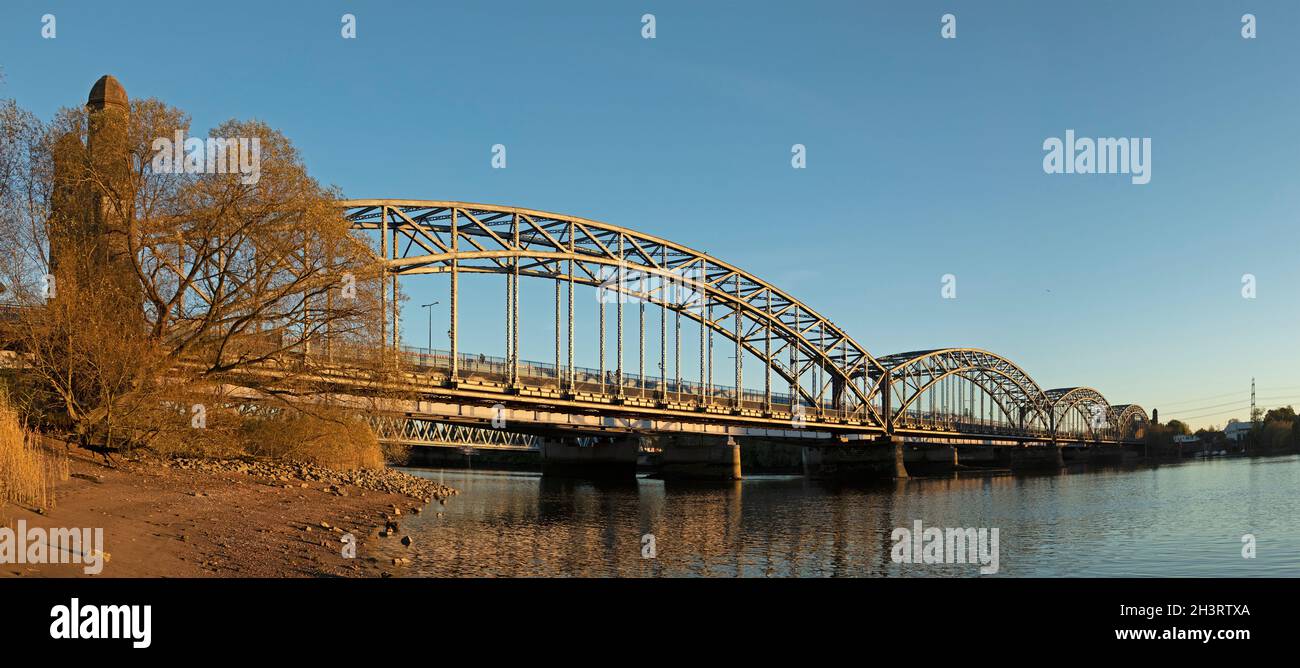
{"x":430,"y":307}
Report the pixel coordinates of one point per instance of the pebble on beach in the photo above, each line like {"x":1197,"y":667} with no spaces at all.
{"x":335,"y":482}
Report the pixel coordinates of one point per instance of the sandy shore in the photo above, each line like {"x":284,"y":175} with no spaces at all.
{"x":191,"y":519}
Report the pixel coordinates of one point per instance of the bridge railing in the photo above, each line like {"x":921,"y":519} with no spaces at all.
{"x":963,"y":423}
{"x":13,"y":311}
{"x":586,"y":380}
{"x":593,"y":381}
{"x":608,"y":382}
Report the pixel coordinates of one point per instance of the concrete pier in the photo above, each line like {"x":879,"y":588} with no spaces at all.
{"x":1046,"y":456}
{"x":612,"y":457}
{"x":699,"y":457}
{"x":768,"y":455}
{"x":466,"y":458}
{"x":930,"y":458}
{"x":882,"y":458}
{"x":1098,"y":454}
{"x":984,"y":456}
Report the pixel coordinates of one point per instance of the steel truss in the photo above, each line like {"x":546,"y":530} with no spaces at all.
{"x":923,"y":391}
{"x":826,"y":372}
{"x":1130,"y":418}
{"x":823,"y":366}
{"x":1082,"y":412}
{"x":412,"y":430}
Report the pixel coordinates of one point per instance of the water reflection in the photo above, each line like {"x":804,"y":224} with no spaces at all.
{"x":1182,"y":520}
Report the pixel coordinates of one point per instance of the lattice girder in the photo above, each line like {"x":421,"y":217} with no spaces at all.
{"x":769,"y":324}
{"x":1014,"y":391}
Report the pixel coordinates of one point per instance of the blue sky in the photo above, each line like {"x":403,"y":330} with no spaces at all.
{"x":924,"y":154}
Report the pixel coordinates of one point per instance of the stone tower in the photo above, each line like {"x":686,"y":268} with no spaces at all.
{"x":93,"y":197}
{"x":109,"y":115}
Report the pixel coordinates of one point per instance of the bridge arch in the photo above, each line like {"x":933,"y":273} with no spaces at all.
{"x":823,"y":366}
{"x":1081,"y":412}
{"x":917,"y":376}
{"x":1130,"y":420}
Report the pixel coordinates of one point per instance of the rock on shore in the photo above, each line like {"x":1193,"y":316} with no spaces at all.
{"x":383,"y":480}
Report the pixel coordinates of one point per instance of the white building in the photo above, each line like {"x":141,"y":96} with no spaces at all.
{"x":1235,"y":431}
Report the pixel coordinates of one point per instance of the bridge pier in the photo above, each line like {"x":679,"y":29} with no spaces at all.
{"x":930,"y":458}
{"x":699,"y":457}
{"x":597,"y":457}
{"x":1046,"y":456}
{"x":472,"y":458}
{"x":882,"y":458}
{"x":1100,"y":454}
{"x":763,"y":454}
{"x":984,"y":456}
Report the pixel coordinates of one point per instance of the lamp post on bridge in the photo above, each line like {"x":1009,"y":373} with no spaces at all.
{"x":430,"y":306}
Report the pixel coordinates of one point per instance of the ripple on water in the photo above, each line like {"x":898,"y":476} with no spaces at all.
{"x":1171,"y":520}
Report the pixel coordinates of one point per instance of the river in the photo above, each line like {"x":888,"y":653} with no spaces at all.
{"x":1182,"y":519}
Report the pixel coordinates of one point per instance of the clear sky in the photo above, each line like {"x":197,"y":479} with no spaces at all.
{"x":924,"y":155}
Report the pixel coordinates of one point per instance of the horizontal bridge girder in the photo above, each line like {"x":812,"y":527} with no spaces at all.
{"x":416,"y":430}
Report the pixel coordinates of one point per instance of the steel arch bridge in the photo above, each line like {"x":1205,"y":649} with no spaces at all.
{"x":814,"y":375}
{"x":924,"y":382}
{"x":1130,"y":419}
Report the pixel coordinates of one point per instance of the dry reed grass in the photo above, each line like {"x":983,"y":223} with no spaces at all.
{"x":27,"y":468}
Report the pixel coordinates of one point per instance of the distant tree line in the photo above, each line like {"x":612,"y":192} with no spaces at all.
{"x":1277,"y":431}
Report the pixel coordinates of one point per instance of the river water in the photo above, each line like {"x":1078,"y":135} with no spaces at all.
{"x":1184,"y":519}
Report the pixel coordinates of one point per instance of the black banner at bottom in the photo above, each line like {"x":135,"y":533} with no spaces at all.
{"x":229,"y":618}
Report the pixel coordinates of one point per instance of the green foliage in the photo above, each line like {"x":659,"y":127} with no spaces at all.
{"x":1278,"y":431}
{"x":1286,"y":414}
{"x":1160,"y":438}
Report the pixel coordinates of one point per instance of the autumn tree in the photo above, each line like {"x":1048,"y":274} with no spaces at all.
{"x":150,"y":288}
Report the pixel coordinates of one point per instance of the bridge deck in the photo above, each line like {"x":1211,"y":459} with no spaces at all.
{"x":542,"y":400}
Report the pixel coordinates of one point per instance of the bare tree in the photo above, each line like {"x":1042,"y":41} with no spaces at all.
{"x":148,"y":291}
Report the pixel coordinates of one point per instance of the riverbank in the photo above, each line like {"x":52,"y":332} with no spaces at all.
{"x":201,"y":518}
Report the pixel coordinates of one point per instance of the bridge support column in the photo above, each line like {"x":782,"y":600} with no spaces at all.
{"x":1046,"y":456}
{"x":882,"y":458}
{"x":762,"y":454}
{"x":1097,"y":454}
{"x":699,"y":457}
{"x":597,"y":457}
{"x":984,"y":456}
{"x":930,"y":458}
